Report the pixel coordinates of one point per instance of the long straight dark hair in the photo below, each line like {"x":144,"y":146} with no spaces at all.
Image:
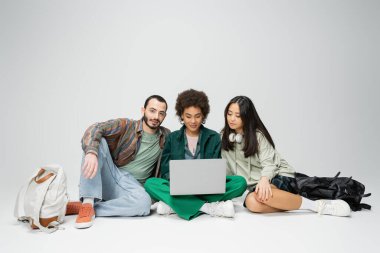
{"x":251,"y":123}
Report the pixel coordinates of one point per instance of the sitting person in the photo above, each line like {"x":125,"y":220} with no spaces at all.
{"x":119,"y":155}
{"x":250,"y":152}
{"x":193,"y":141}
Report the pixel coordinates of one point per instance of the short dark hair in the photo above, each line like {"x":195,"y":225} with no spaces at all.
{"x":190,"y":98}
{"x":159,"y":98}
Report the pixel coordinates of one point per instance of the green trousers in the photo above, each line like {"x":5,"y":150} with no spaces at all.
{"x":187,"y":206}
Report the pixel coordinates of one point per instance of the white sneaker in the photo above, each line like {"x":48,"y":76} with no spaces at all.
{"x":164,"y":209}
{"x":221,"y":209}
{"x":333,"y":207}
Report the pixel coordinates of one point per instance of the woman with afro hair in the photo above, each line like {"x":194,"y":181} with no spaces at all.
{"x":193,"y":141}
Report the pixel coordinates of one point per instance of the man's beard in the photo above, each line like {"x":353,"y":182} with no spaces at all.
{"x":146,"y":120}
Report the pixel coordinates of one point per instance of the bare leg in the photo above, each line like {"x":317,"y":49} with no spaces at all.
{"x":283,"y":200}
{"x":280,"y":201}
{"x":257,"y":207}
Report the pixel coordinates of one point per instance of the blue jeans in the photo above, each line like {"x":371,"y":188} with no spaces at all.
{"x":116,"y":192}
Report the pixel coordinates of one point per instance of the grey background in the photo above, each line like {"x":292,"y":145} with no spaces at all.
{"x":310,"y":67}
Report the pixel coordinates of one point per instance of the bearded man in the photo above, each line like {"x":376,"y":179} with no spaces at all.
{"x":119,"y":155}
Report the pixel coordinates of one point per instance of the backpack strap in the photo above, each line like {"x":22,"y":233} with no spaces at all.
{"x":365,"y":206}
{"x":40,"y":173}
{"x":51,"y":227}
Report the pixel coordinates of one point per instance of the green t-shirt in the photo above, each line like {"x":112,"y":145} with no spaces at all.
{"x":142,"y":166}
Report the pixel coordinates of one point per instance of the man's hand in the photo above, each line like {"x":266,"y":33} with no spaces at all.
{"x":90,"y":166}
{"x":263,"y":189}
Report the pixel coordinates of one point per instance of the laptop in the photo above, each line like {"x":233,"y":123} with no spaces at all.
{"x":198,"y":176}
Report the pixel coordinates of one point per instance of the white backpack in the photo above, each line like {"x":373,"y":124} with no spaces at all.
{"x":42,"y":200}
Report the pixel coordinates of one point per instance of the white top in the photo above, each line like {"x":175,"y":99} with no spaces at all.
{"x":192,"y":143}
{"x":266,"y":162}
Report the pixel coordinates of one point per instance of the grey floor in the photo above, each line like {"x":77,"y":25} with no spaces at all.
{"x":281,"y":232}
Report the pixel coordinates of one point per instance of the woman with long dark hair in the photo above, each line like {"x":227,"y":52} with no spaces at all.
{"x":250,"y":152}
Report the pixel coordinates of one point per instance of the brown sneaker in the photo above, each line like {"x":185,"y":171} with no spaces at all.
{"x":86,"y":216}
{"x":73,"y":207}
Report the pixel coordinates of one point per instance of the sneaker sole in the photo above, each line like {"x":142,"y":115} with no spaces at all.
{"x":82,"y":225}
{"x":346,"y":213}
{"x":161,"y":212}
